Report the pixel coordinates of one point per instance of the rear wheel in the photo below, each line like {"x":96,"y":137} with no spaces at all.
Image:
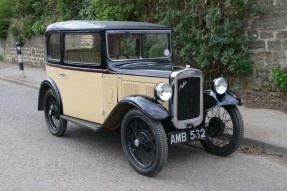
{"x":224,"y":130}
{"x":144,"y":143}
{"x":56,"y":125}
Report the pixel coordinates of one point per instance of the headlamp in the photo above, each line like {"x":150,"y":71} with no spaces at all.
{"x":219,"y":85}
{"x":163,"y":91}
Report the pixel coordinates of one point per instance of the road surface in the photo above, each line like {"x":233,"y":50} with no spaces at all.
{"x":32,"y":159}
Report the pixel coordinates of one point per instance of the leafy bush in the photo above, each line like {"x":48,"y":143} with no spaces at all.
{"x":26,"y":18}
{"x":27,"y":26}
{"x":17,"y":36}
{"x":207,"y":34}
{"x":279,"y":77}
{"x":37,"y":27}
{"x":87,"y":10}
{"x":69,"y":9}
{"x":1,"y":58}
{"x":108,"y":10}
{"x":5,"y":14}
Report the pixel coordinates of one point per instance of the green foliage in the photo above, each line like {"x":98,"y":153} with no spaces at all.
{"x":1,"y":58}
{"x":155,"y":51}
{"x":279,"y":77}
{"x":26,"y":18}
{"x":69,"y":9}
{"x":37,"y":27}
{"x":128,"y":46}
{"x":108,"y":10}
{"x":207,"y":34}
{"x":27,"y":26}
{"x":87,"y":10}
{"x":5,"y":14}
{"x":4,"y":24}
{"x":17,"y":36}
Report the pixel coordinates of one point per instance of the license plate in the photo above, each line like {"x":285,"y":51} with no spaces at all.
{"x":187,"y":135}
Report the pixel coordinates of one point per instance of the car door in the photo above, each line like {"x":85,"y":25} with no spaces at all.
{"x":80,"y":80}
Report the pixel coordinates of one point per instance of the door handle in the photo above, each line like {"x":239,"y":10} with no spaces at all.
{"x":62,"y":74}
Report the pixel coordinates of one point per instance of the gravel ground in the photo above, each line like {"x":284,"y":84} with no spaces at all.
{"x":266,"y":100}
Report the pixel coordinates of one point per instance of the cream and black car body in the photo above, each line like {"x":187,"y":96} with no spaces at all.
{"x":107,"y":75}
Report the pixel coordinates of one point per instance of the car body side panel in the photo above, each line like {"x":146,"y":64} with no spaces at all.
{"x":80,"y":93}
{"x":138,"y":85}
{"x":109,"y":93}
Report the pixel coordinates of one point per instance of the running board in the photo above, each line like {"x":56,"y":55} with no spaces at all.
{"x":93,"y":126}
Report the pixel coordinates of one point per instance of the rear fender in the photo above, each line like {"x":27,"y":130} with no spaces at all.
{"x":148,"y":106}
{"x":45,"y":86}
{"x":212,"y":100}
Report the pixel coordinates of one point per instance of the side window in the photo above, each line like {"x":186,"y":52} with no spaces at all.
{"x":54,"y":46}
{"x":84,"y":48}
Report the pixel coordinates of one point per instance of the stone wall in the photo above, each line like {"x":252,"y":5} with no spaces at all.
{"x":267,"y":36}
{"x":33,"y":51}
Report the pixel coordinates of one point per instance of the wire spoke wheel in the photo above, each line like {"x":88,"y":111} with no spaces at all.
{"x":53,"y":113}
{"x":56,"y":125}
{"x":141,"y":142}
{"x":144,"y":143}
{"x":224,"y":130}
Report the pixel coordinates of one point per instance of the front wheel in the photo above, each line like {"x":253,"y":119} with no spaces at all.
{"x":144,"y":143}
{"x":224,"y":130}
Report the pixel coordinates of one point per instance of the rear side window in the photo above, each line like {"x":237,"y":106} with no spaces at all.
{"x":54,"y":46}
{"x":83,"y":48}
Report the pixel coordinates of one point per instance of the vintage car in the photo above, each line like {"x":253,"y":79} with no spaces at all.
{"x":107,"y":75}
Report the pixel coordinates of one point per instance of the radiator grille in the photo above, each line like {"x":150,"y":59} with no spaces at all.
{"x":188,"y":98}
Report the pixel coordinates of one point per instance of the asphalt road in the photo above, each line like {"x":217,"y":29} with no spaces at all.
{"x":32,"y":159}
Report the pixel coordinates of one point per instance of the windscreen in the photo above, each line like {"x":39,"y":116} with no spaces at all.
{"x":123,"y":45}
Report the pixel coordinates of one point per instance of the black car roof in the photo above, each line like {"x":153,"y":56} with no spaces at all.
{"x":102,"y":25}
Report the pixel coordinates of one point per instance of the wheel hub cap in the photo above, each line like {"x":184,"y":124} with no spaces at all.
{"x":217,"y":126}
{"x":137,"y":143}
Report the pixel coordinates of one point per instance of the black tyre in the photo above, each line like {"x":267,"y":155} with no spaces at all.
{"x":144,"y":143}
{"x":224,"y":130}
{"x":52,"y":111}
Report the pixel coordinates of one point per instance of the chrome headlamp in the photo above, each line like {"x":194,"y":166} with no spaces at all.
{"x":163,"y":91}
{"x":219,"y":85}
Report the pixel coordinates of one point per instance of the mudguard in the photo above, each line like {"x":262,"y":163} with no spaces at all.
{"x":45,"y":86}
{"x":148,"y":106}
{"x":211,"y":99}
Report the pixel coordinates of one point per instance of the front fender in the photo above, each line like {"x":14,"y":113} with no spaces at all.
{"x":211,"y":99}
{"x":148,"y":106}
